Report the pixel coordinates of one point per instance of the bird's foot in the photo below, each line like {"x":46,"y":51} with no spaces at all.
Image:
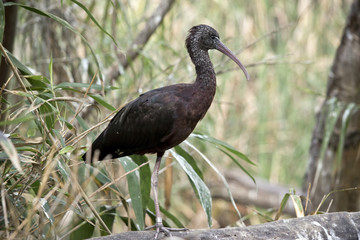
{"x":166,"y":230}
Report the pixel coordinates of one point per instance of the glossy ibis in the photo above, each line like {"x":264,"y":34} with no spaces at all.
{"x":162,"y":118}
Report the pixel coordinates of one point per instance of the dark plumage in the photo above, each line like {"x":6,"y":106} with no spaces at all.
{"x":162,"y":118}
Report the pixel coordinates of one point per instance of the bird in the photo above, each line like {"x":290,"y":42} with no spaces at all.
{"x":164,"y":117}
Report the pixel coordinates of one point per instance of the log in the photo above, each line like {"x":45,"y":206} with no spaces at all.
{"x":340,"y":225}
{"x":262,"y":194}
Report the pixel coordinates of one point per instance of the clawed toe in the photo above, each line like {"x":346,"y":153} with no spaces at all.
{"x":166,"y":230}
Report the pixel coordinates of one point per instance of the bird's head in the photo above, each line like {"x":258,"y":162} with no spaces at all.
{"x":205,"y":38}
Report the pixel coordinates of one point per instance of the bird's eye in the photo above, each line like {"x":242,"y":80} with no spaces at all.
{"x":213,"y":37}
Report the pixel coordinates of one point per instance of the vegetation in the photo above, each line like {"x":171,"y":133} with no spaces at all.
{"x":68,"y":53}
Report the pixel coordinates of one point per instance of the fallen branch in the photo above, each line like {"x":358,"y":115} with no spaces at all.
{"x":340,"y":225}
{"x":245,"y":192}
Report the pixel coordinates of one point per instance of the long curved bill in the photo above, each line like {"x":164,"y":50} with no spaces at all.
{"x":222,"y":48}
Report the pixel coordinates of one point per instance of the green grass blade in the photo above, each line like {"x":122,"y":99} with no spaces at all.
{"x":71,"y":85}
{"x":66,"y":149}
{"x":299,"y":210}
{"x":132,"y":226}
{"x":239,"y":165}
{"x":37,"y":82}
{"x":85,"y":230}
{"x":332,"y":113}
{"x":46,"y":209}
{"x":64,"y":169}
{"x":99,"y":99}
{"x":23,"y":69}
{"x":221,"y":144}
{"x":218,"y":173}
{"x":349,"y":109}
{"x":282,"y":205}
{"x":190,"y":160}
{"x":202,"y":189}
{"x":94,"y":20}
{"x":333,"y":110}
{"x":166,"y":213}
{"x":108,"y":216}
{"x":134,"y":190}
{"x":39,"y":78}
{"x":145,"y":178}
{"x":48,"y":111}
{"x":10,"y":150}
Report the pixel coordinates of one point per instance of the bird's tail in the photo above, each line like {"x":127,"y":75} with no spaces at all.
{"x":94,"y":153}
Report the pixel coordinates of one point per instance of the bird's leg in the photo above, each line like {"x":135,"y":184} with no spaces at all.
{"x":154,"y":183}
{"x":158,"y":221}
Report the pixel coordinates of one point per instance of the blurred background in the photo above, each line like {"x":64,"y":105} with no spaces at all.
{"x":287,"y":47}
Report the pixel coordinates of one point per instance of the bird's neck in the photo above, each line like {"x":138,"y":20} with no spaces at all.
{"x":205,"y":83}
{"x":205,"y":74}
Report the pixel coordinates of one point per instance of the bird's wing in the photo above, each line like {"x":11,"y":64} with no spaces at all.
{"x":139,"y":126}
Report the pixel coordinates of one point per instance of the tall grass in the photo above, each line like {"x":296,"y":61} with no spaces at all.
{"x":288,"y":47}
